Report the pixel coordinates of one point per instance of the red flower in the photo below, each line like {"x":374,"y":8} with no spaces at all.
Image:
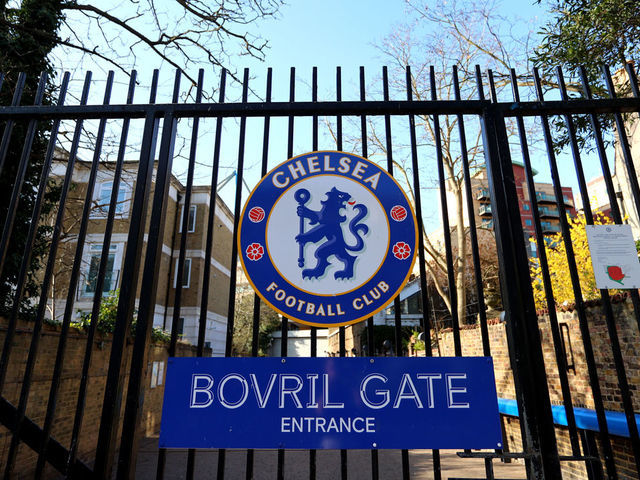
{"x":255,"y":251}
{"x":401,"y":250}
{"x":615,"y":273}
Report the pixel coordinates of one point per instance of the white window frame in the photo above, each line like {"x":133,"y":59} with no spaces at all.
{"x":187,"y":261}
{"x":95,"y":249}
{"x":123,"y":204}
{"x":195,"y":216}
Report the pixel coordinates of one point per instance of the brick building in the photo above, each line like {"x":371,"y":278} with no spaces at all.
{"x":545,"y":196}
{"x":195,"y":251}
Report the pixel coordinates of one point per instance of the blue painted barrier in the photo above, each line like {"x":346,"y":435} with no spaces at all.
{"x":585,"y":418}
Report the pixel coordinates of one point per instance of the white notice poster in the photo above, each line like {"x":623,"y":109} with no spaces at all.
{"x":614,"y":256}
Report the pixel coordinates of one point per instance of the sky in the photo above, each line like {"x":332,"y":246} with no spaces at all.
{"x":306,"y":33}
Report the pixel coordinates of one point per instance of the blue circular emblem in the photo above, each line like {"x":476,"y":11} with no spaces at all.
{"x":327,"y":238}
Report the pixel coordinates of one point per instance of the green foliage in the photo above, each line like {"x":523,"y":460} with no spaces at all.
{"x":243,"y":325}
{"x":418,"y":344}
{"x":592,"y":33}
{"x":26,"y":39}
{"x":107,"y":319}
{"x":556,"y":251}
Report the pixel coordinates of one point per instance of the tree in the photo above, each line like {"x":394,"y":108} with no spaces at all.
{"x":443,"y":34}
{"x":21,"y":50}
{"x":243,"y":324}
{"x":181,"y":34}
{"x":34,"y":35}
{"x":589,"y":33}
{"x":556,"y":251}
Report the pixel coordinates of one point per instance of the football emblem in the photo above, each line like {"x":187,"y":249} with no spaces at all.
{"x":327,"y":238}
{"x":256,"y":214}
{"x":398,"y":213}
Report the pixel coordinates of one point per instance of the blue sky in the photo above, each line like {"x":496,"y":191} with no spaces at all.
{"x":306,"y":33}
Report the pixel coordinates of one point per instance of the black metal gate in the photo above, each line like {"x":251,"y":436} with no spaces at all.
{"x":348,"y":123}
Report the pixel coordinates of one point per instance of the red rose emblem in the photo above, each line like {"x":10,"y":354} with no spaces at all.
{"x":255,"y":251}
{"x":401,"y":250}
{"x":615,"y":273}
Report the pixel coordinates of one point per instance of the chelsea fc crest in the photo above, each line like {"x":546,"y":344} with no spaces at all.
{"x":327,"y":238}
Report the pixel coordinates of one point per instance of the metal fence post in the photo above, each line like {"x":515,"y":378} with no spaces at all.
{"x":526,"y":355}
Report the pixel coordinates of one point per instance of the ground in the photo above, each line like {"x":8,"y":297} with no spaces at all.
{"x":328,"y":464}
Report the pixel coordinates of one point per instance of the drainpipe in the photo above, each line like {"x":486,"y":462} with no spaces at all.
{"x":173,"y":242}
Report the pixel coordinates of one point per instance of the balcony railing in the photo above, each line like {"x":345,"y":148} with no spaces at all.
{"x":484,"y":210}
{"x":545,"y":197}
{"x":487,"y":223}
{"x":549,"y":212}
{"x":550,"y":227}
{"x":482,"y":194}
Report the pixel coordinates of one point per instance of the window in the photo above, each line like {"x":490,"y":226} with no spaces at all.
{"x":186,"y":273}
{"x":180,"y":327}
{"x":528,"y":222}
{"x":191,"y":225}
{"x":91,"y":276}
{"x":157,"y":374}
{"x":525,"y":206}
{"x":102,"y":199}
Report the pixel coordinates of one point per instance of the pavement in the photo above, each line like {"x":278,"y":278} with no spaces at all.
{"x":296,"y":465}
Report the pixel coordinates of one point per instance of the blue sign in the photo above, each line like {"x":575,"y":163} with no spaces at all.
{"x":327,"y":238}
{"x":331,"y":403}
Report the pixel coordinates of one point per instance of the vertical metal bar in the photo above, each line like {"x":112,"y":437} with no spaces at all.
{"x":33,"y":226}
{"x":624,"y":142}
{"x":12,"y":209}
{"x":130,"y":439}
{"x":424,"y":292}
{"x":256,"y":299}
{"x":73,"y":285}
{"x":546,"y":278}
{"x":1,"y":80}
{"x":8,"y":128}
{"x":575,"y":280}
{"x":522,"y":323}
{"x":633,"y":80}
{"x":177,"y":303}
{"x":453,"y":294}
{"x":370,"y":336}
{"x":35,"y":338}
{"x":231,"y":308}
{"x":97,"y":298}
{"x":183,"y":244}
{"x":204,"y":300}
{"x":396,"y":301}
{"x":477,"y":268}
{"x":486,"y":347}
{"x":206,"y":280}
{"x":284,"y":330}
{"x":107,"y":435}
{"x":526,"y":436}
{"x":314,"y":330}
{"x":237,"y":209}
{"x":606,"y":301}
{"x":631,"y":172}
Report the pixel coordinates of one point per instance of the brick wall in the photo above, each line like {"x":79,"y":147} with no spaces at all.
{"x":68,"y":392}
{"x":627,"y":328}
